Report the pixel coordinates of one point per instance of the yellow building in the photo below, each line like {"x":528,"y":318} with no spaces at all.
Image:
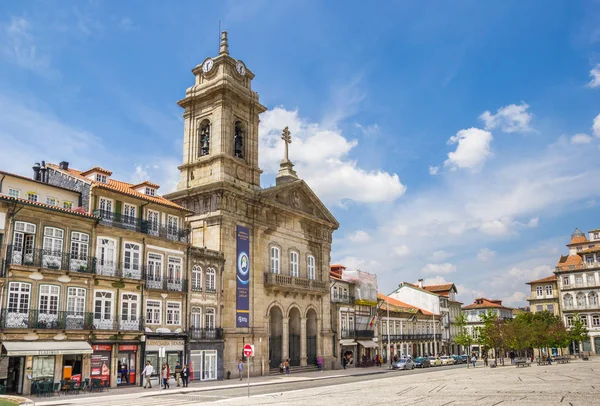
{"x":544,"y":296}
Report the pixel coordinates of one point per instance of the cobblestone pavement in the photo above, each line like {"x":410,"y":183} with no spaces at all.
{"x":575,"y":383}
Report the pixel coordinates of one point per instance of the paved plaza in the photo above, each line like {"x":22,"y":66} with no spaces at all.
{"x":575,"y":383}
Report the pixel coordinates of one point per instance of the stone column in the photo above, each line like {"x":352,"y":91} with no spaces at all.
{"x":303,"y":354}
{"x":285,"y":339}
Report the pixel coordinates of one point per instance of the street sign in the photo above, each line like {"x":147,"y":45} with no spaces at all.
{"x":249,"y":350}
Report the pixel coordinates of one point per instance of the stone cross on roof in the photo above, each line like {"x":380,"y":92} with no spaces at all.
{"x":286,"y":167}
{"x":286,"y":136}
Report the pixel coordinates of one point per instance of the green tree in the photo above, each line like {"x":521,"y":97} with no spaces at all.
{"x":492,"y":333}
{"x":578,"y":331}
{"x":518,"y":333}
{"x":464,"y":337}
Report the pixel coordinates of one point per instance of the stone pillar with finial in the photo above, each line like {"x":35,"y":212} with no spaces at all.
{"x":224,"y":46}
{"x":286,"y":172}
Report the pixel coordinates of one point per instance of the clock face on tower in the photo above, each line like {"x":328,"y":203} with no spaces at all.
{"x":241,"y":69}
{"x":207,"y":65}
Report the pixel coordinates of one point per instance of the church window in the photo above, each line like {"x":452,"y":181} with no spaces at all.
{"x":310,"y":269}
{"x":294,"y":264}
{"x":238,"y":140}
{"x":568,"y":300}
{"x":275,"y":260}
{"x":204,"y":138}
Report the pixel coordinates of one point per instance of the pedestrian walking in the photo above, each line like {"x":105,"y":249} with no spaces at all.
{"x":473,"y":360}
{"x":485,"y":360}
{"x":320,"y":363}
{"x":165,"y":374}
{"x":178,"y":373}
{"x":287,"y":366}
{"x":344,"y":361}
{"x":147,"y":373}
{"x":185,"y":375}
{"x":240,"y":368}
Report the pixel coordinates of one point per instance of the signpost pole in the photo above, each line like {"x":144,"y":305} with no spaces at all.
{"x":248,"y":352}
{"x":248,"y":368}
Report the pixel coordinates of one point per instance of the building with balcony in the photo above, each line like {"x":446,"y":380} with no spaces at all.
{"x":404,"y":329}
{"x":578,"y":279}
{"x":276,"y":242}
{"x":353,"y":308}
{"x":544,"y":295}
{"x":450,"y":309}
{"x":482,"y":306}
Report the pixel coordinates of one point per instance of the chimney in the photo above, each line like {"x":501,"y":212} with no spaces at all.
{"x":421,"y":283}
{"x":43,"y":172}
{"x":64,"y":165}
{"x":36,"y":171}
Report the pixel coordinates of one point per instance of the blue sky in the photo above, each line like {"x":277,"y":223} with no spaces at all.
{"x":454,"y":141}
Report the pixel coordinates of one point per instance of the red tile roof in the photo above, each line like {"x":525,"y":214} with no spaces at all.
{"x":396,"y":304}
{"x":421,"y":289}
{"x":96,"y":169}
{"x":543,"y":280}
{"x":78,"y":211}
{"x":443,"y":290}
{"x":485,"y":303}
{"x":146,"y":183}
{"x":589,"y":250}
{"x":121,"y":187}
{"x":567,"y":260}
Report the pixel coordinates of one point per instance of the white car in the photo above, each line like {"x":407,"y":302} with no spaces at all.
{"x":446,"y":360}
{"x":404,"y":363}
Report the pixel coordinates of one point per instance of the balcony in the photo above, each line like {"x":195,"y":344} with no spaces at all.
{"x":43,"y":320}
{"x":199,"y":334}
{"x":49,"y":259}
{"x":584,"y":265}
{"x":294,"y":284}
{"x":590,"y":306}
{"x":136,"y":224}
{"x":357,"y":334}
{"x":410,"y":337}
{"x":580,"y":285}
{"x":542,"y":297}
{"x":168,"y":284}
{"x":118,"y":269}
{"x":342,"y":299}
{"x":121,"y":323}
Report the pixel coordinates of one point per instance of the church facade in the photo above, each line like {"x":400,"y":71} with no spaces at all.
{"x":276,"y":242}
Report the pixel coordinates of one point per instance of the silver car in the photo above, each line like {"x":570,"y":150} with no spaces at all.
{"x":405,"y":363}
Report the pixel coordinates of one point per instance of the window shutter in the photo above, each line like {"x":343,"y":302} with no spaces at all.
{"x":118,"y":207}
{"x":95,"y":202}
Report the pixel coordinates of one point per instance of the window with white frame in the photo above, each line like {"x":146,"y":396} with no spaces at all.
{"x":150,"y":192}
{"x":580,"y":300}
{"x":68,"y":205}
{"x":593,"y":298}
{"x":103,"y":304}
{"x":550,"y":308}
{"x":539,"y":308}
{"x":129,"y":307}
{"x":174,"y":273}
{"x":584,"y":320}
{"x":310,"y":267}
{"x":129,"y":214}
{"x":591,"y":280}
{"x":131,"y":260}
{"x":18,"y":297}
{"x":589,"y":259}
{"x":596,"y":320}
{"x":48,"y":299}
{"x":209,"y":318}
{"x":154,"y":270}
{"x":80,"y":245}
{"x":51,"y":201}
{"x":153,"y":221}
{"x":153,"y":311}
{"x":172,"y":225}
{"x":539,"y":291}
{"x":106,"y":256}
{"x":196,"y":278}
{"x":211,"y":280}
{"x":569,"y":321}
{"x":32,"y":196}
{"x":14,"y":192}
{"x":549,"y":290}
{"x":566,"y":281}
{"x":53,"y":239}
{"x":23,"y":243}
{"x":294,"y":264}
{"x":275,"y":255}
{"x":173,"y":313}
{"x":196,"y":318}
{"x":100,"y":178}
{"x":105,"y":206}
{"x":75,"y":301}
{"x":578,"y":280}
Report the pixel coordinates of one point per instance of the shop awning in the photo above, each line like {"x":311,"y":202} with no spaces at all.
{"x":367,"y":344}
{"x":23,"y":348}
{"x":347,"y":342}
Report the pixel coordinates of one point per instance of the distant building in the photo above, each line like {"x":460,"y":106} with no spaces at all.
{"x":448,"y":318}
{"x":578,"y":277}
{"x":480,"y":307}
{"x":544,"y":295}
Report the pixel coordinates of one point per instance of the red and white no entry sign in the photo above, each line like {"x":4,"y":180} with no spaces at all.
{"x":249,"y":350}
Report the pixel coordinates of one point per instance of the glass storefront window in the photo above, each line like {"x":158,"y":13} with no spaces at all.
{"x":43,"y":367}
{"x":153,"y":358}
{"x":172,"y":359}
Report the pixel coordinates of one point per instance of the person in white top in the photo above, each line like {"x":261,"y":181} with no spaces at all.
{"x":147,"y":372}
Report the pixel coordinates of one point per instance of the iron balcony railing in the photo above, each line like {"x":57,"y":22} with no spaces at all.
{"x":118,"y":322}
{"x":171,"y":233}
{"x":128,"y":270}
{"x":288,"y":282}
{"x":342,"y":298}
{"x":50,"y":259}
{"x":196,"y":333}
{"x":349,"y":333}
{"x":46,"y":319}
{"x":158,"y":282}
{"x":409,"y":337}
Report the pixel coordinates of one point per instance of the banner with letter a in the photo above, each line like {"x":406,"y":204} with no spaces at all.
{"x":242,"y":314}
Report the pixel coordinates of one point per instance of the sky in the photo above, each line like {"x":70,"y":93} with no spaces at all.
{"x":453,"y":141}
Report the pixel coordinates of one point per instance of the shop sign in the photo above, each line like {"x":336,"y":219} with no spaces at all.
{"x":130,"y":347}
{"x":170,"y":345}
{"x":102,"y":347}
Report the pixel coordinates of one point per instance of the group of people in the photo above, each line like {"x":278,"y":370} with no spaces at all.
{"x":182,"y":375}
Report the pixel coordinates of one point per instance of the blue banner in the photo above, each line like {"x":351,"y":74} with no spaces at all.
{"x":242,"y":314}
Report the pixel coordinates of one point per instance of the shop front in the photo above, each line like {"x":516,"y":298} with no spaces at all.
{"x":101,"y":363}
{"x":174,"y":352}
{"x":205,"y":361}
{"x":31,"y":361}
{"x":348,"y":351}
{"x":127,"y":364}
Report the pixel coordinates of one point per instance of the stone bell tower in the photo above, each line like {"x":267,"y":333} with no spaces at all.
{"x":221,"y":124}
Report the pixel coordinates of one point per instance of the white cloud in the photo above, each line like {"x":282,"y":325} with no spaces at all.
{"x":360,"y":236}
{"x":485,"y":254}
{"x":515,"y":300}
{"x":434,"y":170}
{"x":441,"y":255}
{"x":581,"y":139}
{"x":443,"y":269}
{"x":596,"y":126}
{"x":472,"y":150}
{"x":509,"y":119}
{"x":435,"y":280}
{"x":401,"y":251}
{"x":533,"y":222}
{"x":19,"y":45}
{"x":595,"y":75}
{"x":318,"y":150}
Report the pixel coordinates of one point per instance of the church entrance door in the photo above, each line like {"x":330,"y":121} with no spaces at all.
{"x":275,"y":334}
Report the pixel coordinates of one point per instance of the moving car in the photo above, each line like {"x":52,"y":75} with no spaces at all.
{"x":446,"y":360}
{"x":457,"y":359}
{"x":422,"y":362}
{"x":435,"y":362}
{"x":405,"y":363}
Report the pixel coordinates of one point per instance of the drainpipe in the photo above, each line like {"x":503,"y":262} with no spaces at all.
{"x":2,"y":180}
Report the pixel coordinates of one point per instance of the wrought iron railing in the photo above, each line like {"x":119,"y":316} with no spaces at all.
{"x":50,"y":259}
{"x":45,"y":319}
{"x":118,"y":322}
{"x":157,"y":282}
{"x":350,"y":333}
{"x":205,"y":333}
{"x":409,"y":337}
{"x":172,"y":233}
{"x":342,"y":298}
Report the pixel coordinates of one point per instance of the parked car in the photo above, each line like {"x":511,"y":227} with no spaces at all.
{"x":422,"y":362}
{"x":446,"y":360}
{"x":466,"y":359}
{"x":435,"y":362}
{"x":404,"y":363}
{"x":457,"y":359}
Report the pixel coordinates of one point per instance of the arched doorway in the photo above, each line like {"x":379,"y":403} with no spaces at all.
{"x":294,"y":337}
{"x":275,"y":334}
{"x":311,"y":337}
